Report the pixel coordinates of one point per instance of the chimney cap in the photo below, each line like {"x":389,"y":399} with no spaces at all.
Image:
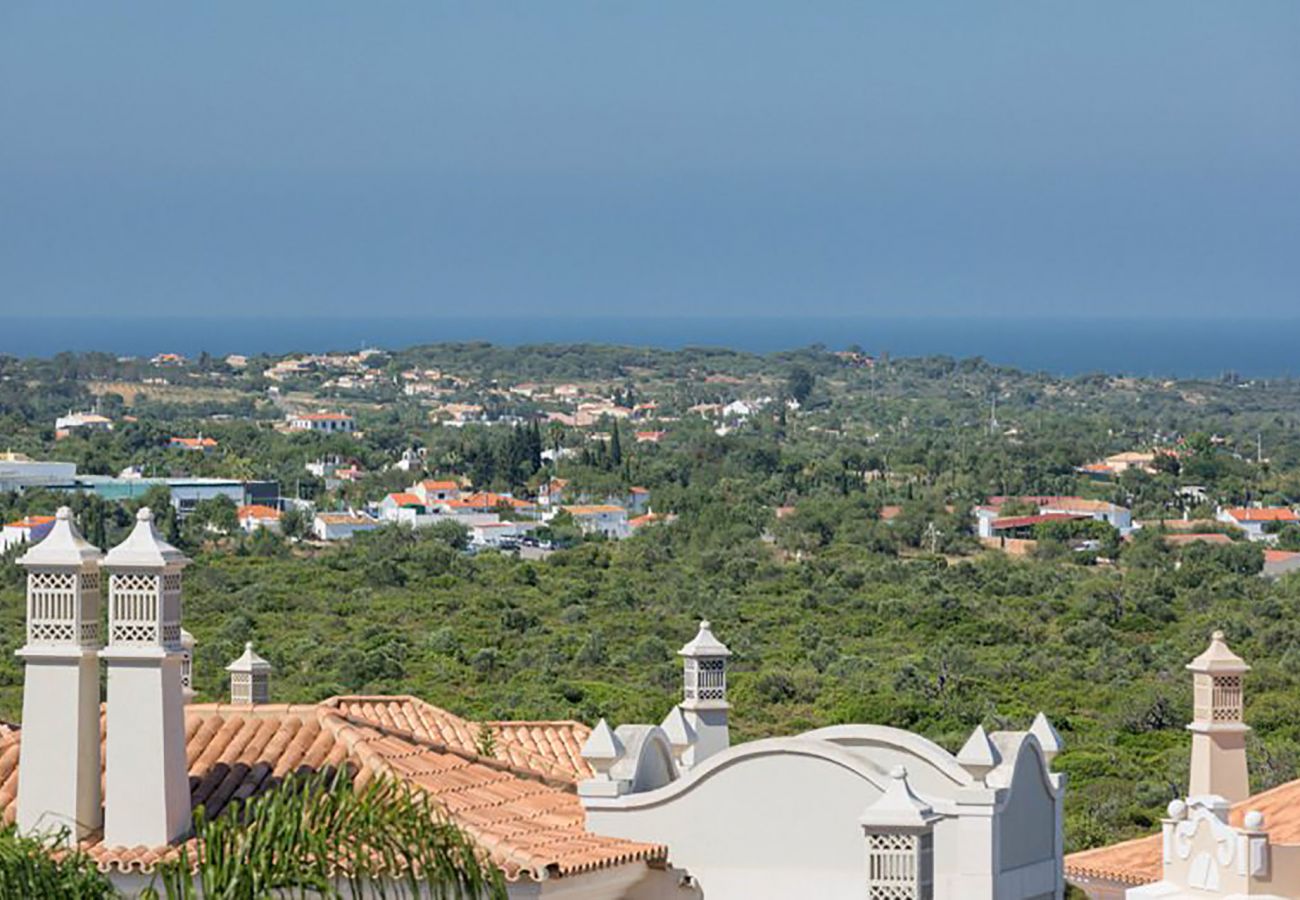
{"x":704,"y":643}
{"x":63,"y":546}
{"x":249,"y":662}
{"x":144,"y":547}
{"x":1218,"y":659}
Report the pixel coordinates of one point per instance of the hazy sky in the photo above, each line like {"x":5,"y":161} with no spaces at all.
{"x":344,"y":158}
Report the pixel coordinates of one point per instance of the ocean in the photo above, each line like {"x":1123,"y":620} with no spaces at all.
{"x":1166,"y":346}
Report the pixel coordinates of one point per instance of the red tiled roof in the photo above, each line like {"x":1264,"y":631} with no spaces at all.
{"x":520,"y":804}
{"x":1024,"y":521}
{"x":1177,"y":540}
{"x":258,"y":511}
{"x":1263,"y":514}
{"x":440,"y":485}
{"x":30,"y":522}
{"x":1276,"y":556}
{"x":406,"y":499}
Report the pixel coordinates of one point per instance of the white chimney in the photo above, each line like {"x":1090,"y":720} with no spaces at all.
{"x":250,"y":678}
{"x":147,"y":791}
{"x":58,"y":774}
{"x":704,"y":695}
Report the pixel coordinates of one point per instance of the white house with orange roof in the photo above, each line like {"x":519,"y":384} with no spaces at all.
{"x":339,"y":526}
{"x":26,"y":530}
{"x":81,"y":422}
{"x":436,"y":490}
{"x":322,"y":422}
{"x":1257,"y":521}
{"x":598,"y":518}
{"x":255,"y":516}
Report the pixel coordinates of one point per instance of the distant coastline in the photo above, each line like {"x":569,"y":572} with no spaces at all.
{"x":1253,"y":348}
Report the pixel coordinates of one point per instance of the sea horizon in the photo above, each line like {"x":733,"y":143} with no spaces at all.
{"x":1140,"y":346}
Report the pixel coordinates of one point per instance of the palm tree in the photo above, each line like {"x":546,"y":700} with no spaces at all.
{"x":318,"y":836}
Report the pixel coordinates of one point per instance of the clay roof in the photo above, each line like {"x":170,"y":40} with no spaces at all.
{"x":405,"y":499}
{"x":593,"y":510}
{"x":324,"y":417}
{"x":520,"y":804}
{"x":1024,"y":521}
{"x":30,"y":522}
{"x":1263,"y":514}
{"x":431,"y":485}
{"x":1209,"y":538}
{"x":258,"y":511}
{"x":1277,"y":556}
{"x":1139,"y":861}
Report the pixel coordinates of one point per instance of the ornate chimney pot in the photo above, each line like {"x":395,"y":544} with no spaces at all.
{"x":250,"y":678}
{"x":1218,"y":731}
{"x":704,"y":694}
{"x":1048,"y":738}
{"x":59,"y":757}
{"x":147,"y":797}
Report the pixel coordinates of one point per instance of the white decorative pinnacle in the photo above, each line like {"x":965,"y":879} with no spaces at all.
{"x":144,"y":547}
{"x":704,"y":644}
{"x":63,"y":546}
{"x":603,"y":748}
{"x":978,"y":755}
{"x":680,"y":733}
{"x":898,"y":806}
{"x":1218,"y":659}
{"x":1048,"y":737}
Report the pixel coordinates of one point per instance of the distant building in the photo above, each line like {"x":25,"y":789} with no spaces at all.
{"x":1118,"y":517}
{"x":26,"y":530}
{"x":1255,"y":520}
{"x":392,"y":506}
{"x":606,"y":519}
{"x":193,"y":443}
{"x":1280,"y":562}
{"x":432,"y":491}
{"x":339,"y":526}
{"x":168,"y":359}
{"x":19,"y":472}
{"x":323,"y":422}
{"x":81,"y":423}
{"x":254,"y":516}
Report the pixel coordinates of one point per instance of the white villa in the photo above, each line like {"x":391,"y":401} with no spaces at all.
{"x":602,"y":518}
{"x":1255,"y":520}
{"x":323,"y":422}
{"x":641,"y":812}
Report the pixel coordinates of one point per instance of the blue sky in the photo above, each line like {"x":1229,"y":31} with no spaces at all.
{"x":581,"y":158}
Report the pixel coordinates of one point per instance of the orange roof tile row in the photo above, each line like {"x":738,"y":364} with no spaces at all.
{"x":520,"y":806}
{"x":258,"y":511}
{"x":1263,"y":514}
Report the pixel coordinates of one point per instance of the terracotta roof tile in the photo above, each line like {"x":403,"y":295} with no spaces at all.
{"x":520,"y":805}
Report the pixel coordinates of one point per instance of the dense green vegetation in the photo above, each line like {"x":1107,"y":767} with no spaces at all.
{"x":834,"y":615}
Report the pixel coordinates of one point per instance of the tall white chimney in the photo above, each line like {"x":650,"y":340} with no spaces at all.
{"x":58,"y":772}
{"x":147,"y":792}
{"x":704,"y":695}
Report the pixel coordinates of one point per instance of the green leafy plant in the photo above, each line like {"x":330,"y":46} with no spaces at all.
{"x":41,"y":867}
{"x":317,"y":836}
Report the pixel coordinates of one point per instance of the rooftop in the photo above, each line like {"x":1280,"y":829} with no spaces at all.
{"x":1263,"y":514}
{"x":519,"y":804}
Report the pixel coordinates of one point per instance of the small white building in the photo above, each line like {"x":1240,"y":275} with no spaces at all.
{"x":497,"y":534}
{"x":1255,"y":520}
{"x":339,"y":526}
{"x":323,"y":422}
{"x":81,"y":422}
{"x":256,"y":516}
{"x":606,"y":519}
{"x":432,"y":491}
